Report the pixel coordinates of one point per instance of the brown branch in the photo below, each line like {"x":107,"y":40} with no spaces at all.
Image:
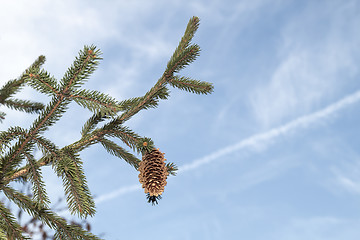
{"x":48,"y":85}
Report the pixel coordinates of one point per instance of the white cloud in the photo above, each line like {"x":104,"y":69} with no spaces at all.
{"x":118,"y":192}
{"x":347,"y":176}
{"x":317,"y":58}
{"x":349,"y":184}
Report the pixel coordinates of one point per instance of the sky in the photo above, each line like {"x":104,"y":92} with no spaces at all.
{"x":273,"y":153}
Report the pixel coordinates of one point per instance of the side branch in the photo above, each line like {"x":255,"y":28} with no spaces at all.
{"x":29,"y":136}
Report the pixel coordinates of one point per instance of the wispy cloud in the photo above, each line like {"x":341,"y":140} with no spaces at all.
{"x":349,"y":184}
{"x":261,"y":139}
{"x":118,"y":192}
{"x":347,"y":176}
{"x":310,"y":62}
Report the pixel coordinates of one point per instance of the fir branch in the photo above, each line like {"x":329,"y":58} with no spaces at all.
{"x":52,"y":113}
{"x":8,"y":224}
{"x":86,"y":141}
{"x":126,"y":135}
{"x":191,"y":85}
{"x":7,"y":136}
{"x":149,"y":100}
{"x":14,"y":157}
{"x":182,"y":59}
{"x":38,"y":185}
{"x":49,"y":116}
{"x":3,"y":234}
{"x":14,"y":86}
{"x":42,"y":81}
{"x":10,"y":88}
{"x":77,"y":192}
{"x":111,"y":129}
{"x":24,"y":105}
{"x":96,"y":102}
{"x":2,"y":116}
{"x":83,"y":66}
{"x":91,"y":123}
{"x":172,"y":168}
{"x":145,"y":145}
{"x":118,"y":151}
{"x":45,"y":160}
{"x":183,"y":56}
{"x":63,"y":230}
{"x":191,"y":28}
{"x":66,"y":161}
{"x":47,"y":147}
{"x":129,"y":103}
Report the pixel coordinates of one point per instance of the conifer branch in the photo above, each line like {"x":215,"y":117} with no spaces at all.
{"x":2,"y":116}
{"x":191,"y":28}
{"x":47,"y":147}
{"x":96,"y":102}
{"x":191,"y":85}
{"x":63,"y":230}
{"x":3,"y":234}
{"x":42,"y":81}
{"x":38,"y":185}
{"x":81,"y":69}
{"x":172,"y":168}
{"x":10,"y":88}
{"x":149,"y":100}
{"x":126,"y":135}
{"x":77,"y":192}
{"x":17,"y":144}
{"x":91,"y":123}
{"x":8,"y":225}
{"x":83,"y":66}
{"x":13,"y":157}
{"x":7,"y":136}
{"x":181,"y":60}
{"x":14,"y":86}
{"x":118,"y":151}
{"x":23,"y":105}
{"x":129,"y":103}
{"x":183,"y":56}
{"x":111,"y":129}
{"x":52,"y":113}
{"x":48,"y":117}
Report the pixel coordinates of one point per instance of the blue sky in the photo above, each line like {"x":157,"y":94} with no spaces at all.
{"x":273,"y":153}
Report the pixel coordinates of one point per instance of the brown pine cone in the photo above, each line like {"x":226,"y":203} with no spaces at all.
{"x":153,"y":173}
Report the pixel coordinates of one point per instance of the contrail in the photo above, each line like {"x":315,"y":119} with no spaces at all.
{"x":252,"y":141}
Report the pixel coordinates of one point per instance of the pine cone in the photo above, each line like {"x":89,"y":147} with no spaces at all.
{"x":153,"y":174}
